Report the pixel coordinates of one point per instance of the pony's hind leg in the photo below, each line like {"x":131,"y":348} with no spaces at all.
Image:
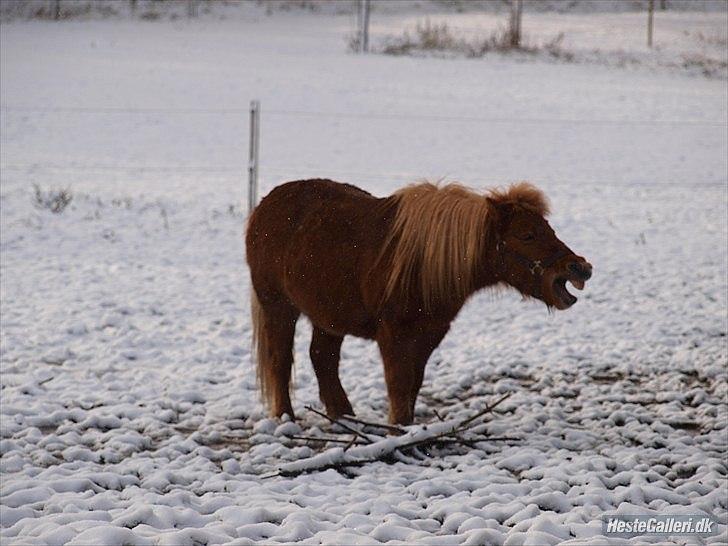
{"x":325,"y":353}
{"x":275,"y":332}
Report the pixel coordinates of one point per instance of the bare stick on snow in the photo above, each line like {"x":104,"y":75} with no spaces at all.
{"x":361,"y":435}
{"x":391,"y":428}
{"x":447,"y":432}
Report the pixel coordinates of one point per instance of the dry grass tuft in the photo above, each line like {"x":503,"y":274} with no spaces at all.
{"x":53,"y":200}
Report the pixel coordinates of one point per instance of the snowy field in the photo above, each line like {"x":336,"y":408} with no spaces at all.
{"x":129,"y":410}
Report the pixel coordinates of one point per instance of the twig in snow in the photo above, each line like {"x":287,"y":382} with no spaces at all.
{"x":391,"y":428}
{"x":328,"y":439}
{"x":351,"y":443}
{"x":361,"y":435}
{"x":488,"y":409}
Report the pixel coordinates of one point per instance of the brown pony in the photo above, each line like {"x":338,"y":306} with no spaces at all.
{"x":395,"y":269}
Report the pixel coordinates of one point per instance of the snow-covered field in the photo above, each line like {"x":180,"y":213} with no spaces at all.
{"x":129,"y":407}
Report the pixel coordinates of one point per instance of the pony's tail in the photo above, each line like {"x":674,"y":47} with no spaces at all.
{"x":263,"y":368}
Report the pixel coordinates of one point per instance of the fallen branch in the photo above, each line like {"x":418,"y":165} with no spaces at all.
{"x":358,"y":433}
{"x":351,"y":443}
{"x":445,"y":432}
{"x":488,"y":409}
{"x":325,"y":439}
{"x":391,"y":428}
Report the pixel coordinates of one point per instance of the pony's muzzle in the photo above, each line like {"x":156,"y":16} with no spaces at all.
{"x":581,"y":270}
{"x":578,"y":271}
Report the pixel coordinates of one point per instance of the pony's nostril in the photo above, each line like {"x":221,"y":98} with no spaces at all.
{"x":583,"y":270}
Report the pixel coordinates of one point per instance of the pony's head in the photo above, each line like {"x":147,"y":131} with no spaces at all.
{"x":448,"y":241}
{"x":529,"y":255}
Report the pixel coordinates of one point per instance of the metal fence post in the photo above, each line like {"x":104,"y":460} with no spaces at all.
{"x":253,"y":158}
{"x":515,"y":23}
{"x":56,"y":9}
{"x":191,"y":8}
{"x":650,"y":17}
{"x":363,"y":26}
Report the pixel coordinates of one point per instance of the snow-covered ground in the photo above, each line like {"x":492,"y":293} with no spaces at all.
{"x":129,"y":408}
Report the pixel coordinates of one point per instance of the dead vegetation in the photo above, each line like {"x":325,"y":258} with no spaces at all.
{"x":54,"y":200}
{"x":366,"y":442}
{"x":438,"y":38}
{"x":708,"y":66}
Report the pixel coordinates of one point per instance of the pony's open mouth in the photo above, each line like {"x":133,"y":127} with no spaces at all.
{"x":565,"y":298}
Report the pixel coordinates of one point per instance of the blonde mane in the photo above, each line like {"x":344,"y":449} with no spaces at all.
{"x":439,"y":233}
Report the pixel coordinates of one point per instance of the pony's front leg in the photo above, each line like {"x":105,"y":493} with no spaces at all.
{"x":405,"y":351}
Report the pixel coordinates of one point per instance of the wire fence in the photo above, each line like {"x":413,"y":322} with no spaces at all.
{"x":297,"y":172}
{"x":312,"y":171}
{"x":373,"y":115}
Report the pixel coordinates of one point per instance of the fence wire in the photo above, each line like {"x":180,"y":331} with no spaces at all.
{"x":290,"y":172}
{"x":297,"y":173}
{"x":369,"y":115}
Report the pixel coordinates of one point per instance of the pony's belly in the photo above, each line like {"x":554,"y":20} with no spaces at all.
{"x":350,"y":328}
{"x":336,"y":313}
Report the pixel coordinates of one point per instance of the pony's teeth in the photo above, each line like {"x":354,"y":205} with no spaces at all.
{"x":578,"y":284}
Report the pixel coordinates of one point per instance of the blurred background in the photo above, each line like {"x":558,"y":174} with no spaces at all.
{"x":484,"y":91}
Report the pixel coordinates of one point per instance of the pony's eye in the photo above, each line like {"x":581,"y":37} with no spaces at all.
{"x":528,"y":237}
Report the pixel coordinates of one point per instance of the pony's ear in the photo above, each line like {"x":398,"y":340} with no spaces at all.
{"x":502,"y":211}
{"x":524,"y":194}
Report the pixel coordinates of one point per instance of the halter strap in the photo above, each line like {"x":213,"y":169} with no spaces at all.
{"x":536,"y":267}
